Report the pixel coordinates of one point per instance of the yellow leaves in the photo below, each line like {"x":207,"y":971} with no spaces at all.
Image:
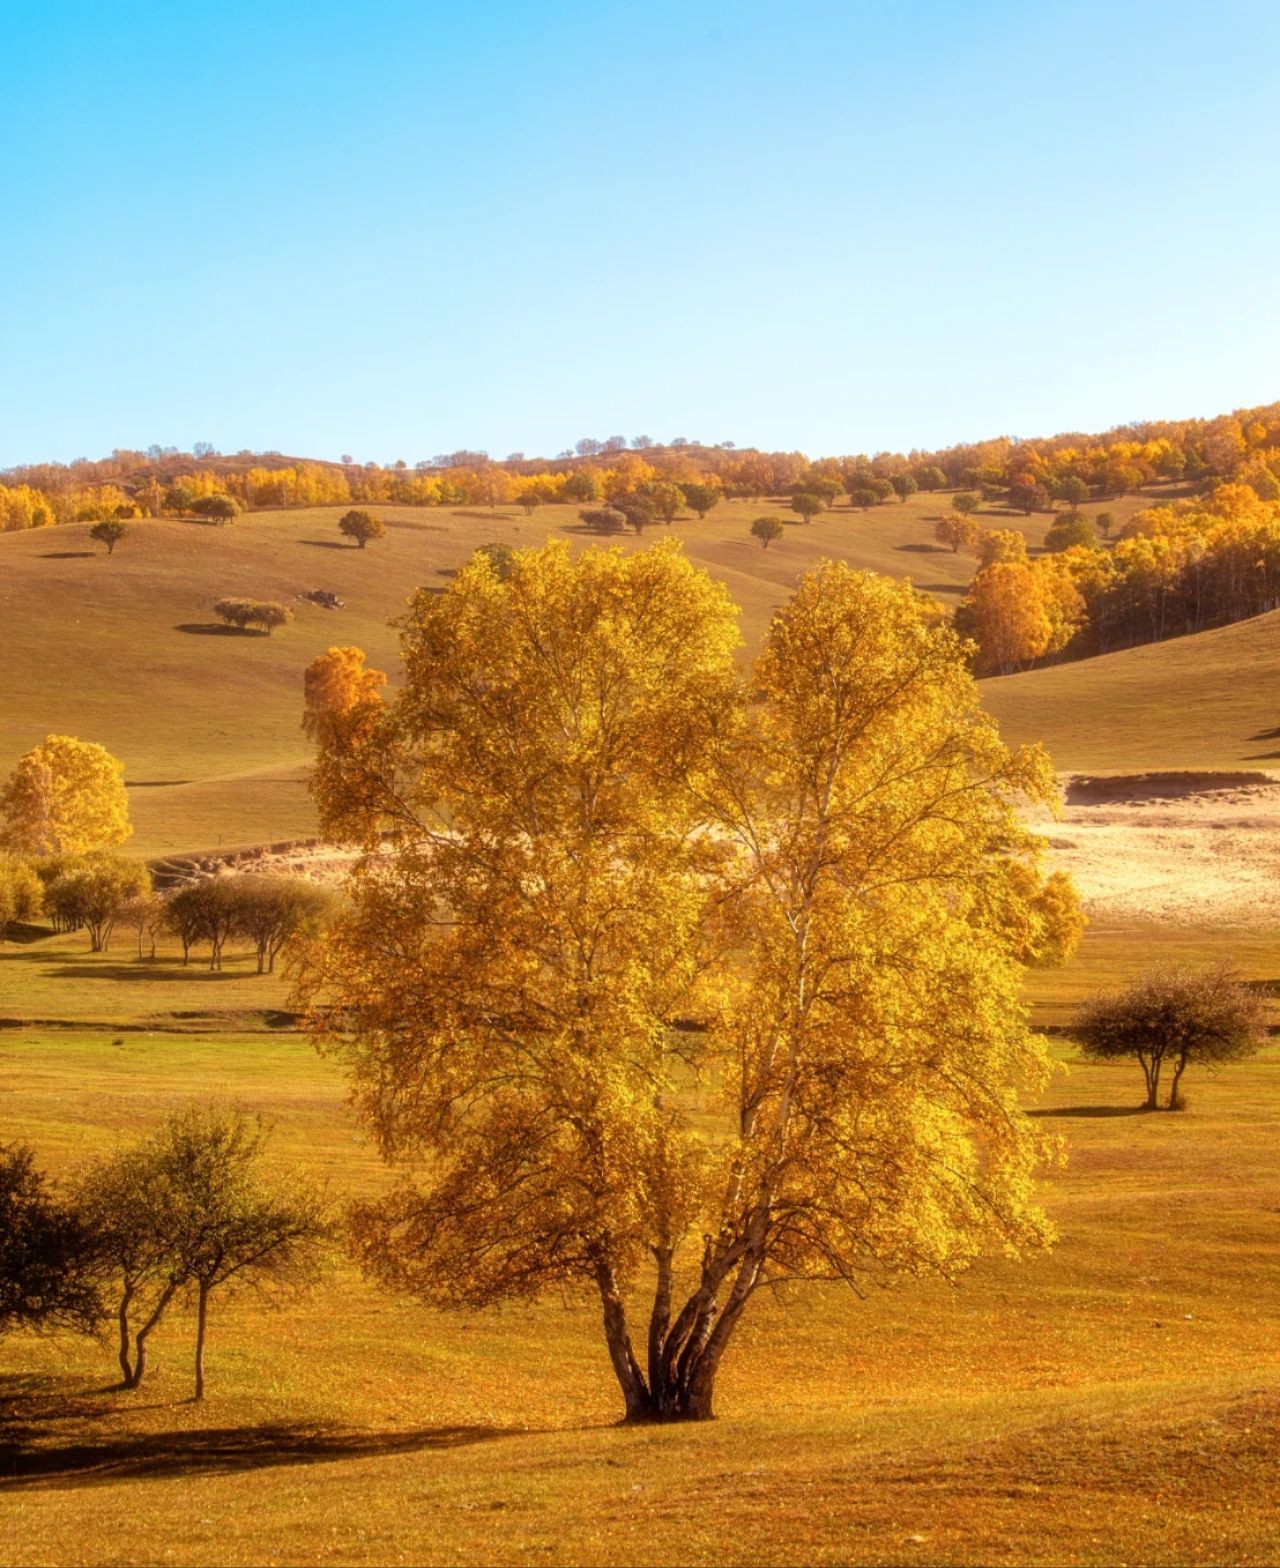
{"x":65,"y":797}
{"x":23,"y":507}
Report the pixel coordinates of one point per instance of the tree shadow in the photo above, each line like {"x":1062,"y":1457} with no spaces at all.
{"x":328,"y":544}
{"x":925,"y":549}
{"x":1093,"y":1111}
{"x":25,"y":1462}
{"x":68,"y":555}
{"x":1266,"y":735}
{"x":24,"y":935}
{"x":942,"y":587}
{"x":210,"y":629}
{"x":148,"y":970}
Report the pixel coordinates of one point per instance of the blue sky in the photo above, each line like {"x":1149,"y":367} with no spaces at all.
{"x":394,"y":229}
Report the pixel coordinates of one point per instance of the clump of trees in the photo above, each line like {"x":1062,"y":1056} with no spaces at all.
{"x":64,"y":797}
{"x":1172,"y":1018}
{"x":48,"y":1255}
{"x":218,"y":509}
{"x":269,"y":911}
{"x":94,"y":894}
{"x":362,"y":526}
{"x":244,"y":613}
{"x":21,"y":894}
{"x":679,"y":900}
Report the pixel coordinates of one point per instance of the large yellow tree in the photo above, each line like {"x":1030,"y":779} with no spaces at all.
{"x":64,"y":797}
{"x":675,"y":979}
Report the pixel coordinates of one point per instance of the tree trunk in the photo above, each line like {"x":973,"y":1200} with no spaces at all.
{"x":1175,"y":1100}
{"x":1151,"y":1072}
{"x":202,"y":1314}
{"x":630,"y":1379}
{"x":126,"y":1364}
{"x":144,"y":1333}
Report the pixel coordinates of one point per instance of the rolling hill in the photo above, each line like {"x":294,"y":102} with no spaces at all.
{"x":126,"y":650}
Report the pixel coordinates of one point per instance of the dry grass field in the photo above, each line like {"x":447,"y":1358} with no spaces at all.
{"x":125,"y":650}
{"x":1117,"y":1400}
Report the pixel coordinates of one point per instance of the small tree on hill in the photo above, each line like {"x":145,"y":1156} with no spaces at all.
{"x":701,"y":497}
{"x":998,"y":545}
{"x":1106,"y":521}
{"x":1173,"y":1017}
{"x":965,"y":502}
{"x":530,"y":500}
{"x":636,"y":508}
{"x":1071,"y":529}
{"x":65,"y":797}
{"x":363,"y":526}
{"x":178,"y":498}
{"x":1030,"y":497}
{"x":864,"y":496}
{"x":667,"y":501}
{"x":269,"y":614}
{"x":807,"y":505}
{"x":236,"y":612}
{"x":903,"y":486}
{"x":957,"y":531}
{"x":218,"y":508}
{"x":1072,"y":489}
{"x":930,"y":478}
{"x":766,"y":529}
{"x":109,"y":532}
{"x":46,"y":1274}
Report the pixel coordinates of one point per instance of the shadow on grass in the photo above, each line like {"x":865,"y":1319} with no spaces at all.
{"x":68,"y":555}
{"x":148,"y":970}
{"x":924,"y":549}
{"x":214,"y":1450}
{"x":212,"y":629}
{"x":1098,"y":1111}
{"x":328,"y":544}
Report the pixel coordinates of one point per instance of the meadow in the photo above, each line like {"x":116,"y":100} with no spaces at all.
{"x":1114,"y":1400}
{"x":206,"y":719}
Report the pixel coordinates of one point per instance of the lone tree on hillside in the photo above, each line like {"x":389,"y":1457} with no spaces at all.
{"x":1070,"y":530}
{"x":864,"y":496}
{"x":965,"y":502}
{"x":529,"y":498}
{"x":701,"y":498}
{"x":667,"y":501}
{"x":65,"y":797}
{"x":957,"y":531}
{"x":807,"y":505}
{"x":903,"y":486}
{"x":626,"y":836}
{"x":218,"y":508}
{"x":46,"y":1273}
{"x":109,"y":532}
{"x":766,"y":529}
{"x":1173,"y":1017}
{"x":363,"y":526}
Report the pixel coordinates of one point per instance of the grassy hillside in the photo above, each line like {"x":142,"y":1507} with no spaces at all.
{"x":125,"y":650}
{"x":1113,"y":1401}
{"x":1207,"y":701}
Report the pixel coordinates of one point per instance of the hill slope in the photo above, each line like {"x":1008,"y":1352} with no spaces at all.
{"x":125,"y":650}
{"x":1201,"y":702}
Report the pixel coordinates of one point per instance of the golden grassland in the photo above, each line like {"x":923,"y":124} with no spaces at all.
{"x":126,"y":651}
{"x":1117,"y":1400}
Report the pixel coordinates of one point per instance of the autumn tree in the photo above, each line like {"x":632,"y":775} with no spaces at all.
{"x":235,"y":612}
{"x":766,"y":529}
{"x":604,"y":519}
{"x":1173,"y":1017}
{"x":1002,"y":544}
{"x":863,"y":496}
{"x":701,"y":497}
{"x":903,"y":486}
{"x":46,"y":1260}
{"x":363,"y":526}
{"x":582,"y":486}
{"x":957,"y":531}
{"x":1069,"y":531}
{"x":965,"y":502}
{"x":1029,"y":496}
{"x":21,"y":894}
{"x":274,"y":910}
{"x":218,"y":508}
{"x":636,"y":508}
{"x":95,"y":894}
{"x":667,"y":971}
{"x":269,"y":613}
{"x":1010,"y":619}
{"x":1106,"y":521}
{"x":530,"y":499}
{"x":667,"y":499}
{"x":65,"y":797}
{"x":806,"y":505}
{"x":109,"y":532}
{"x":207,"y":910}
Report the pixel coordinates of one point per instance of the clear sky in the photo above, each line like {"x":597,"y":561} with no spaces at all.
{"x":391,"y":229}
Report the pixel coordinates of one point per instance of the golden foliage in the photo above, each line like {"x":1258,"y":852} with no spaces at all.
{"x":65,"y":797}
{"x":662,"y":954}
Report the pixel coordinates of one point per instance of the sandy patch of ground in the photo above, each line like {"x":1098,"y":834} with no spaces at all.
{"x":1190,"y":849}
